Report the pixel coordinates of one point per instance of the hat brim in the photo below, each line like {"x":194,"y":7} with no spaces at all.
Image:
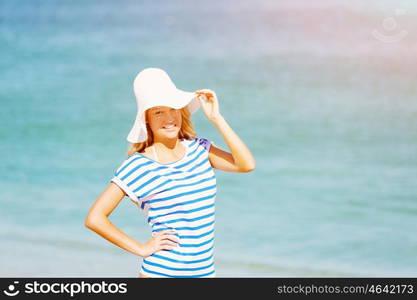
{"x":180,"y":99}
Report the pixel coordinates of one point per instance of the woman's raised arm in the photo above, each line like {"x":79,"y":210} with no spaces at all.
{"x":240,"y":159}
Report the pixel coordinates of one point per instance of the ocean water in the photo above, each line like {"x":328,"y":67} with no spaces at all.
{"x":323,"y":93}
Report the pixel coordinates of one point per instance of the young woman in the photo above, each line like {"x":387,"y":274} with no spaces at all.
{"x":169,"y":174}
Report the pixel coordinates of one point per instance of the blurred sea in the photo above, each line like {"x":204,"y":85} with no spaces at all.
{"x":323,"y":92}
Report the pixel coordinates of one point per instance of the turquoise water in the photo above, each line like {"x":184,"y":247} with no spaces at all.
{"x":328,"y":110}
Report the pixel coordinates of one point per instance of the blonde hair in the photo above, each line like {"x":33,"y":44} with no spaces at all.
{"x":186,"y":131}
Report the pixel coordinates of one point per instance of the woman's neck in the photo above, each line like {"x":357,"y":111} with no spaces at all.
{"x":169,"y":149}
{"x":166,"y":144}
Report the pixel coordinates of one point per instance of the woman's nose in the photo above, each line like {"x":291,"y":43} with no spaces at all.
{"x":171,"y":116}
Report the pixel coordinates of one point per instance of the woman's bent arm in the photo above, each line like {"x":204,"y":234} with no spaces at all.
{"x":240,"y":159}
{"x":98,"y":221}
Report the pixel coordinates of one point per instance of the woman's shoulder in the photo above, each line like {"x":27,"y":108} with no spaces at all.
{"x":202,"y":142}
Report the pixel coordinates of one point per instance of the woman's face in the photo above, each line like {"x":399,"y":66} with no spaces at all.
{"x":165,"y":122}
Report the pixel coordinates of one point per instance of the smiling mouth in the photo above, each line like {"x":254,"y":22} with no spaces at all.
{"x":169,"y":126}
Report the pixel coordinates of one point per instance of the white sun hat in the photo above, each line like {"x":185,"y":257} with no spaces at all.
{"x":153,"y":87}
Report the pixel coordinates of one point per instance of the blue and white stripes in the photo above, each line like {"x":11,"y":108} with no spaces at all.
{"x":179,"y":196}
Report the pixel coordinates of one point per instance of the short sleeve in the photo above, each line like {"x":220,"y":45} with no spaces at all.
{"x":205,"y":143}
{"x":123,"y":178}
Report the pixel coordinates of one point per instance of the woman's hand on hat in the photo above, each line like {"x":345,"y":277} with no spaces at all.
{"x":209,"y":103}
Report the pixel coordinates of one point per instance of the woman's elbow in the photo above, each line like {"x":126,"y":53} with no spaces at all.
{"x":91,"y":221}
{"x":248,"y":168}
{"x":88,"y":223}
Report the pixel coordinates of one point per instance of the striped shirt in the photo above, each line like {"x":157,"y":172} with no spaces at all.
{"x":179,"y":196}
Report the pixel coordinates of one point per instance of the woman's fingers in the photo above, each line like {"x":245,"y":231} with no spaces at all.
{"x":208,"y":93}
{"x":167,"y":235}
{"x":164,"y":232}
{"x":166,"y":248}
{"x":204,"y":91}
{"x":173,"y":238}
{"x":168,"y":243}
